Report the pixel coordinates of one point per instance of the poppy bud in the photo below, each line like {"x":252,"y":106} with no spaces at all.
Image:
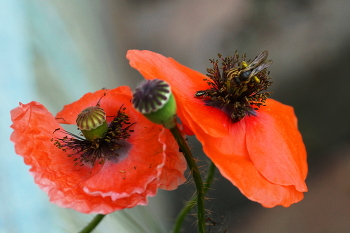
{"x":154,"y":99}
{"x":92,"y":123}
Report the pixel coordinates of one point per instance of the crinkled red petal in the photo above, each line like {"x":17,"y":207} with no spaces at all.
{"x":69,"y":113}
{"x":103,"y":188}
{"x":175,"y":163}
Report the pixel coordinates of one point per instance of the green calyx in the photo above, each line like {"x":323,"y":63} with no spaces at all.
{"x":154,"y":100}
{"x":92,"y":123}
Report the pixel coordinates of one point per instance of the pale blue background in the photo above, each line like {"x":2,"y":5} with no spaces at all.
{"x":39,"y":60}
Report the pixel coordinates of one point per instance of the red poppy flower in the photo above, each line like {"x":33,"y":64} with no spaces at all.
{"x":260,"y":152}
{"x":147,"y":159}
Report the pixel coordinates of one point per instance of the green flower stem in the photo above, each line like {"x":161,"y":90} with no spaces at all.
{"x":196,"y":177}
{"x":181,"y":216}
{"x":94,"y":222}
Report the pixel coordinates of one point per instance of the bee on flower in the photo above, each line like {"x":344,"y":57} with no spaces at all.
{"x":252,"y":139}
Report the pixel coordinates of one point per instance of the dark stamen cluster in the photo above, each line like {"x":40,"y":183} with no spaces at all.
{"x":237,"y":87}
{"x":99,"y":149}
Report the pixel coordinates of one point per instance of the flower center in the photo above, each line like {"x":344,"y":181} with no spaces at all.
{"x":238,"y":88}
{"x":97,"y":149}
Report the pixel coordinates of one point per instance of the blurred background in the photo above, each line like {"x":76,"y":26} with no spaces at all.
{"x":54,"y":51}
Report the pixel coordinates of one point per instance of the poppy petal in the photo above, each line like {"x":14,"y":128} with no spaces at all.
{"x":234,"y":163}
{"x":33,"y":130}
{"x":69,"y":113}
{"x":55,"y":172}
{"x":175,"y":164}
{"x":134,"y":169}
{"x":275,"y":145}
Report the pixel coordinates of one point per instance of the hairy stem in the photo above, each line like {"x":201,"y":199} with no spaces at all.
{"x":181,"y":216}
{"x":196,"y":177}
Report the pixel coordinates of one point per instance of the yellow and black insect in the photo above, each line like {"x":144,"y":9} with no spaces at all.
{"x":247,"y":72}
{"x":238,"y":88}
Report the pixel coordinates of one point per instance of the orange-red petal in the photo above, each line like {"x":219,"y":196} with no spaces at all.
{"x":175,"y":163}
{"x":244,"y":158}
{"x":275,"y":145}
{"x":107,"y":98}
{"x":239,"y":160}
{"x":123,"y":183}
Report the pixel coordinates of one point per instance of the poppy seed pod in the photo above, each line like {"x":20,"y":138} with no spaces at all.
{"x":153,"y":98}
{"x":92,"y":123}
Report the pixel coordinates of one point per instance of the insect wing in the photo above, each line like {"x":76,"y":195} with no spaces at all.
{"x":257,"y":60}
{"x":260,"y":68}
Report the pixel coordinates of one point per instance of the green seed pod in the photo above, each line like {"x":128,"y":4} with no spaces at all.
{"x":154,"y":99}
{"x":92,"y":123}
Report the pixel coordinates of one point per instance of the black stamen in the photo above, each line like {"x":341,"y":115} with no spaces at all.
{"x":100,"y":149}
